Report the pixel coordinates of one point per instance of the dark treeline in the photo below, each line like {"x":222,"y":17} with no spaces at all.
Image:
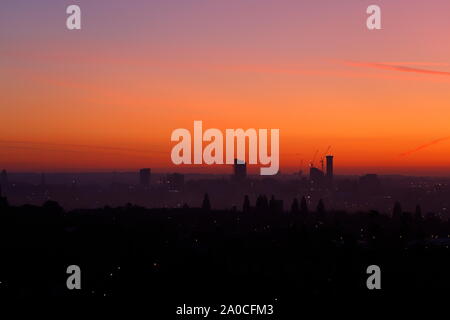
{"x":202,"y":254}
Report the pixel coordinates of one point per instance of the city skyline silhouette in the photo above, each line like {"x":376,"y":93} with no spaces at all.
{"x":342,"y":190}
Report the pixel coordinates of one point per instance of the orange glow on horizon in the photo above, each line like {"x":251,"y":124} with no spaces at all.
{"x":109,"y":97}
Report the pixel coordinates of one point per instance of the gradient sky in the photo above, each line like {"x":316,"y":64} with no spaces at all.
{"x":108,"y":97}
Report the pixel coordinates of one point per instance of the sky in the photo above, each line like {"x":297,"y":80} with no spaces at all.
{"x":108,"y":96}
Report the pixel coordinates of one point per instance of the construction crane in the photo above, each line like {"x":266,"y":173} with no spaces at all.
{"x":323,"y":157}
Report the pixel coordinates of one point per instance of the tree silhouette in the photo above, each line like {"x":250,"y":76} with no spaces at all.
{"x":3,"y":200}
{"x":321,"y":207}
{"x":303,"y":206}
{"x":206,"y":205}
{"x":246,"y":206}
{"x":295,"y":206}
{"x":262,"y":203}
{"x":272,"y":204}
{"x":397,"y":211}
{"x":418,"y":214}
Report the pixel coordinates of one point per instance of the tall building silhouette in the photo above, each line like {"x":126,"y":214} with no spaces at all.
{"x":240,"y":170}
{"x":316,"y":176}
{"x":330,"y":169}
{"x":144,"y":177}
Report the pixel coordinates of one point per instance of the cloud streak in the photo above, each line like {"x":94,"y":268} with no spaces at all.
{"x":391,"y":67}
{"x":423,"y":146}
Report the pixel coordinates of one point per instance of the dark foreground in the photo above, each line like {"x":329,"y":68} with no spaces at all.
{"x":188,"y":256}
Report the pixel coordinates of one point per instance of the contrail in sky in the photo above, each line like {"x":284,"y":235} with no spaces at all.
{"x":426,"y":145}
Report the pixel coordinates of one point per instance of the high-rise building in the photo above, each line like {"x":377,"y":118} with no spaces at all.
{"x":316,"y":176}
{"x":144,"y":177}
{"x":330,"y":169}
{"x":240,"y":170}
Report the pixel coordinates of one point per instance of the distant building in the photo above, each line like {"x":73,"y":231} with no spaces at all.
{"x":319,"y":178}
{"x":240,"y":170}
{"x":316,"y":176}
{"x":4,"y":178}
{"x":144,"y":177}
{"x":330,"y":169}
{"x":370,"y":184}
{"x":175,"y":181}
